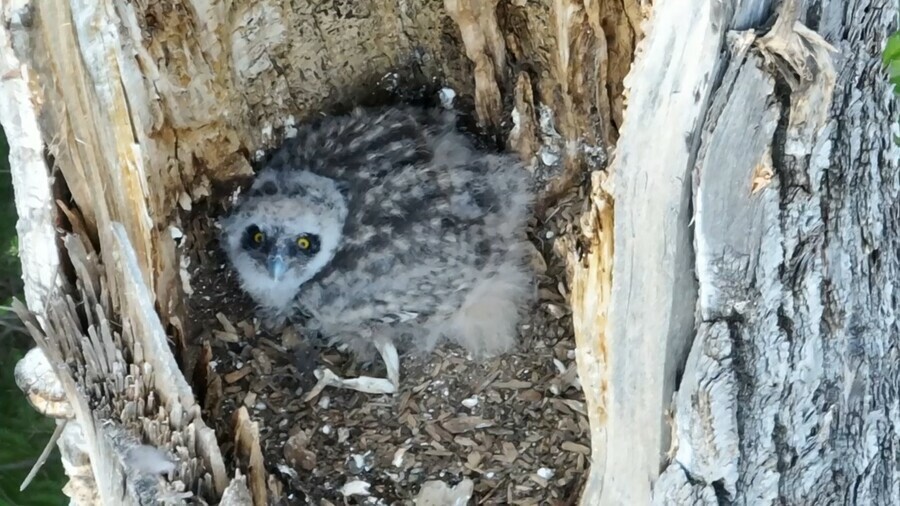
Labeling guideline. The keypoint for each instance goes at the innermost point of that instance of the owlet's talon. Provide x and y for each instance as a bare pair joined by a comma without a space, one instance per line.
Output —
366,384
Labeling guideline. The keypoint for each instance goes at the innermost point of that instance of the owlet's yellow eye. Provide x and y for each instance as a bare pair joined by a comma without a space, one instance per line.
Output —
259,237
303,242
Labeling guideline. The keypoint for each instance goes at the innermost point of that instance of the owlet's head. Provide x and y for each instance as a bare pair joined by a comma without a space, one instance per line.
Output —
286,229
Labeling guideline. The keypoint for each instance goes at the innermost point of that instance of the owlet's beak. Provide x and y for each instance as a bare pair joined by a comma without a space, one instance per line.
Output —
276,266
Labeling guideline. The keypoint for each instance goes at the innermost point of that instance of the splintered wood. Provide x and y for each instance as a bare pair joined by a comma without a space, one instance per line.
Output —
132,439
591,289
731,270
151,111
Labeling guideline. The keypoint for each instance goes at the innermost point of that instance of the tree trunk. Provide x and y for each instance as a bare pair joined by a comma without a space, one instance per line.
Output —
730,276
789,394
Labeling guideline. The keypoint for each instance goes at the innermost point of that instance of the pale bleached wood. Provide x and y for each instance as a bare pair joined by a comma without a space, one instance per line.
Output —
247,449
133,409
38,253
152,346
591,286
653,291
651,314
174,391
237,493
787,390
19,109
787,393
145,105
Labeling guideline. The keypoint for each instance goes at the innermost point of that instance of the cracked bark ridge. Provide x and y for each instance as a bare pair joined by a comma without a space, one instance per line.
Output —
788,392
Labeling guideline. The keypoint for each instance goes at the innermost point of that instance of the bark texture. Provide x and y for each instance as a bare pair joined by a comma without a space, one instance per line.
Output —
732,276
789,393
130,112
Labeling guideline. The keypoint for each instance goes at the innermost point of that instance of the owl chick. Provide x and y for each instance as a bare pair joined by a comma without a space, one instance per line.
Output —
386,227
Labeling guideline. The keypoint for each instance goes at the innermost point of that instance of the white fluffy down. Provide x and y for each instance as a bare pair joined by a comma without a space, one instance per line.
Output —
487,323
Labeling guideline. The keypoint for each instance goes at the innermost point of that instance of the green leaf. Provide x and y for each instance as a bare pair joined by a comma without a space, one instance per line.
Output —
892,50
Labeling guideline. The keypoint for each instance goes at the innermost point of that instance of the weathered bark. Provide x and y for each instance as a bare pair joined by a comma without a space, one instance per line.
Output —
748,216
789,394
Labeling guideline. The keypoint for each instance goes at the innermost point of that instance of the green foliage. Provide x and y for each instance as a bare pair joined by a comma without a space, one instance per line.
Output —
891,60
23,432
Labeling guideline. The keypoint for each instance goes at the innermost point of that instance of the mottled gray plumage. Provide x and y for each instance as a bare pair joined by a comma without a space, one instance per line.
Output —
413,234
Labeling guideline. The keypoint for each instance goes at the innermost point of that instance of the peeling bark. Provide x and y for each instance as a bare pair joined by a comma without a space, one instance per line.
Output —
144,108
730,277
788,393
